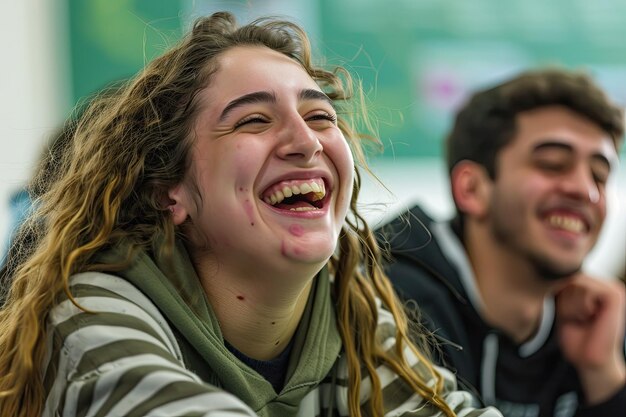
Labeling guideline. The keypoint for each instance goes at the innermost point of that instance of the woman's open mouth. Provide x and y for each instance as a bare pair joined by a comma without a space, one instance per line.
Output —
297,195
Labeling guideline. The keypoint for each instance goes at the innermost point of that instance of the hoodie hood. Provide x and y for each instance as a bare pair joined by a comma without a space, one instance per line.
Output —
435,248
409,238
430,265
181,298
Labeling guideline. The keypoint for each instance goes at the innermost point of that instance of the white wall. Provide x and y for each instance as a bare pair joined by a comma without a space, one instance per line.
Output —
33,80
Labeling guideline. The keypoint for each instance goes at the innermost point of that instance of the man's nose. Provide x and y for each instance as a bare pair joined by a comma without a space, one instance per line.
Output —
581,184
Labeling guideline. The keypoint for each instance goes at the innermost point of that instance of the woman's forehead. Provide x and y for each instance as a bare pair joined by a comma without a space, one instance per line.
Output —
248,70
252,67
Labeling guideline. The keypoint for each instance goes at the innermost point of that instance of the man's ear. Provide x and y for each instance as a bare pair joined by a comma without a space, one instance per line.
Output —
177,203
471,188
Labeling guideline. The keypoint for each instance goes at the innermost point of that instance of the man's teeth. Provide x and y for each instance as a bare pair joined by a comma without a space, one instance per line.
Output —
570,224
317,188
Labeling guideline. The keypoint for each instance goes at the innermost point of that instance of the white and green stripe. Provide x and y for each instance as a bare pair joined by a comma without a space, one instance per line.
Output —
125,361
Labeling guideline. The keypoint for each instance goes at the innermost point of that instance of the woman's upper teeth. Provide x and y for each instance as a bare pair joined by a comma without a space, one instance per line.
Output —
285,190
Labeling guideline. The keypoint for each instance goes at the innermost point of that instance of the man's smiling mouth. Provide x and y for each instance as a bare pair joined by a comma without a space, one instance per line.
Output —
296,195
570,224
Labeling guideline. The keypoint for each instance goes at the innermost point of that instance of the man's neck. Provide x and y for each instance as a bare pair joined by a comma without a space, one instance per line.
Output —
512,292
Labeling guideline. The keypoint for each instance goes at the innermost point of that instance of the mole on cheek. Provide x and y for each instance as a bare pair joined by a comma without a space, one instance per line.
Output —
240,297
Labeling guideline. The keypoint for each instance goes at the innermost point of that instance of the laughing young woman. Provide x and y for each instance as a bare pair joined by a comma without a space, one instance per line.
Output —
199,258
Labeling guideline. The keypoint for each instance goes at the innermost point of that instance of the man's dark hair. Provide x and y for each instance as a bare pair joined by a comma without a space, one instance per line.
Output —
487,122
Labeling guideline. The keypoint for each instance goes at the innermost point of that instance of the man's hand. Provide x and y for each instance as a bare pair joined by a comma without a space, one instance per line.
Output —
591,315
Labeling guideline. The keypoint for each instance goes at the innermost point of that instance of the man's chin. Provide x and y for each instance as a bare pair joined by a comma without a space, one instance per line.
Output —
550,270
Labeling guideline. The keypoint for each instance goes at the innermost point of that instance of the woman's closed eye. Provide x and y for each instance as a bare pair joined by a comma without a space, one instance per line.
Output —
317,118
252,119
322,117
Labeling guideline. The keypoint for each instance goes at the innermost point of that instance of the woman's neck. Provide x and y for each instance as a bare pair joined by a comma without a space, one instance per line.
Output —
258,315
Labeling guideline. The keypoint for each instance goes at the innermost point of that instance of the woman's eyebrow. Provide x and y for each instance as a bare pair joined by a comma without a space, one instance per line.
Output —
270,97
251,98
311,94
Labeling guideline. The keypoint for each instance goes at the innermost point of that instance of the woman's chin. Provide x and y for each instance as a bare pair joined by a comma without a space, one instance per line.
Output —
308,251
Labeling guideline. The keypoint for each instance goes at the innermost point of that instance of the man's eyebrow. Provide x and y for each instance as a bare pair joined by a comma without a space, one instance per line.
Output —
554,144
311,94
251,98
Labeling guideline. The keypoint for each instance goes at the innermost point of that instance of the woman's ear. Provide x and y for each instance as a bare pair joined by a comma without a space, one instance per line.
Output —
471,188
177,200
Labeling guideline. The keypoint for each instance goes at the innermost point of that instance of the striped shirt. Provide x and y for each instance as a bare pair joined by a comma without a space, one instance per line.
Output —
125,358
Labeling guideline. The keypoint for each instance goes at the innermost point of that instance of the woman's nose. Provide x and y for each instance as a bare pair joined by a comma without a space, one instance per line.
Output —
299,141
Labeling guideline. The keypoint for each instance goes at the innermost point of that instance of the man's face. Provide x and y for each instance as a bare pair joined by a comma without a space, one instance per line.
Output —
548,200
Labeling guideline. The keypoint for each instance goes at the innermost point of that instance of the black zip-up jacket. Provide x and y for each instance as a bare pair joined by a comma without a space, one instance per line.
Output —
428,264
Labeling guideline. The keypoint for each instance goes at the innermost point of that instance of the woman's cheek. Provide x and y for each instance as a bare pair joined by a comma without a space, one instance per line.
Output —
346,174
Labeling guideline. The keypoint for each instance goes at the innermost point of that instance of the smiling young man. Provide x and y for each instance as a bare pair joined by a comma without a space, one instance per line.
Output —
501,283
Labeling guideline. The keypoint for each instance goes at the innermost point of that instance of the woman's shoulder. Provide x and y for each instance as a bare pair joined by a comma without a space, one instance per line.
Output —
103,301
99,286
111,352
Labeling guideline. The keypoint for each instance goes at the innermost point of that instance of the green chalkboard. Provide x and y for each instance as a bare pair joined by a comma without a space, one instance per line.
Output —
420,58
111,40
417,59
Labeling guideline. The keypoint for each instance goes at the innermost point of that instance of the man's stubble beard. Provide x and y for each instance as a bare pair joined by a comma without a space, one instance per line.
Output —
506,234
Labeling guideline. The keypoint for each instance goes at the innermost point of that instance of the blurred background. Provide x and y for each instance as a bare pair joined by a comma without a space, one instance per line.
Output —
418,60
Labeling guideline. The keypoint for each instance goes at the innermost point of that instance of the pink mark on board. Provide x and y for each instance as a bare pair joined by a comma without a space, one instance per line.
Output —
296,230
